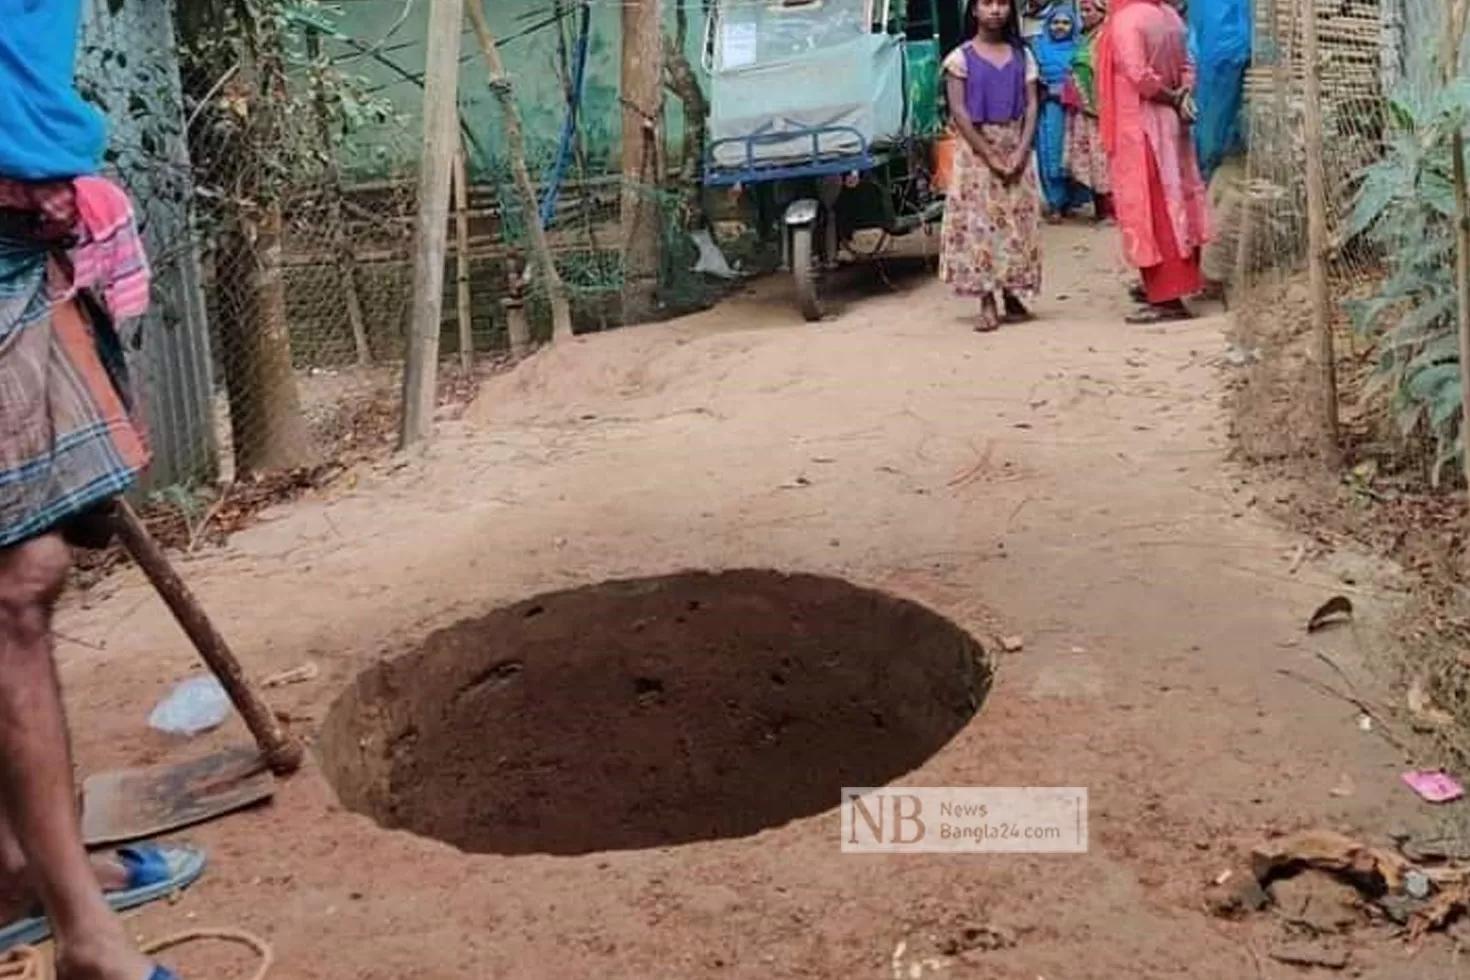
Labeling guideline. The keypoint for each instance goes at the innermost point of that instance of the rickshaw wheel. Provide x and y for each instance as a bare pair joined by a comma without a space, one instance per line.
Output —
804,271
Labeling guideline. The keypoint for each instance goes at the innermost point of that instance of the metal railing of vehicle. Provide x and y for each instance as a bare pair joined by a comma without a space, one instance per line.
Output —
818,164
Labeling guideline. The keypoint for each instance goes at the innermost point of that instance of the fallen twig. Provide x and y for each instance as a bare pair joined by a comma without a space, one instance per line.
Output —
1362,705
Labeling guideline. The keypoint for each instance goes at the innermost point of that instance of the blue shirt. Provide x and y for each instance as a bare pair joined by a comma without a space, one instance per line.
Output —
47,131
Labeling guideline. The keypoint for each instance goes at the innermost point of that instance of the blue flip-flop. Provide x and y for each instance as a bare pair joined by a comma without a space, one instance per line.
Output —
154,871
162,973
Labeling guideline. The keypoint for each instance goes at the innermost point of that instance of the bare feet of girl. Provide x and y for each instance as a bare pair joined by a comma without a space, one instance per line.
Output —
989,319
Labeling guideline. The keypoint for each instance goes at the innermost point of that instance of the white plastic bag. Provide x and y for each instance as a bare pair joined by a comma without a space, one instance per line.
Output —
192,707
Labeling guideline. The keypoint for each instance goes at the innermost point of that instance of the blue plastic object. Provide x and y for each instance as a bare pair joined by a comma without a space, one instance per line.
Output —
569,127
1221,37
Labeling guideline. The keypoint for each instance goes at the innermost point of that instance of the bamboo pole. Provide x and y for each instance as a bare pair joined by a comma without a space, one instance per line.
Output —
1449,55
463,308
1317,237
441,139
515,148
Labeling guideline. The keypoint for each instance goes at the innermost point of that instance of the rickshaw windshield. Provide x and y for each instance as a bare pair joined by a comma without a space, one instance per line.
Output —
758,32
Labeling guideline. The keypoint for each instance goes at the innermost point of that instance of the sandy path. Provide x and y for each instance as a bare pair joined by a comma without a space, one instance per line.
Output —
1062,480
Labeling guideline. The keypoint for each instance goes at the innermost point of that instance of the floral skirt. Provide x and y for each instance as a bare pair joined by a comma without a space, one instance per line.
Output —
1082,153
991,237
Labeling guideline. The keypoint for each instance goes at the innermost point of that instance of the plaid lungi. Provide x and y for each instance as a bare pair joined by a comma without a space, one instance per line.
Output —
67,441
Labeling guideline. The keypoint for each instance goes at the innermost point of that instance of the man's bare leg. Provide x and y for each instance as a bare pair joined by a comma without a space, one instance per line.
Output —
18,893
36,787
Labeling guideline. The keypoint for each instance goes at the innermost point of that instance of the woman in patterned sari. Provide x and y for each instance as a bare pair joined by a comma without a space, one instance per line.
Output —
1083,156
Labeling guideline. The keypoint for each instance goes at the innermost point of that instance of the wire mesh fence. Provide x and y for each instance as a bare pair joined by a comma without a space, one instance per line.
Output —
1376,71
276,177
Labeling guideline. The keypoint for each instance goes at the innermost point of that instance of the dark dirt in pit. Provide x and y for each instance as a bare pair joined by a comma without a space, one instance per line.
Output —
651,712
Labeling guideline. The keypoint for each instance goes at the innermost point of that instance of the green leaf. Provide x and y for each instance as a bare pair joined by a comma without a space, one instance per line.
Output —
1438,191
1451,105
1407,418
1399,117
1424,385
1449,449
1419,324
1445,408
1445,348
1365,312
1376,194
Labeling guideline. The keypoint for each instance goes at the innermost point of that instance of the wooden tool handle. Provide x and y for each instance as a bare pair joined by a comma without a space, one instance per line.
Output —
282,752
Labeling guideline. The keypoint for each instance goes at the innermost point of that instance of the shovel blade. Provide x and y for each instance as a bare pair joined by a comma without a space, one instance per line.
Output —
132,804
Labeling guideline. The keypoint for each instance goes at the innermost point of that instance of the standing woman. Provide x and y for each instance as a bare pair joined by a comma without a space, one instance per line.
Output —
990,242
1145,81
1084,157
1055,48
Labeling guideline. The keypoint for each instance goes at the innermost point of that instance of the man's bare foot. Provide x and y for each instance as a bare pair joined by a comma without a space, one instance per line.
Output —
19,899
105,954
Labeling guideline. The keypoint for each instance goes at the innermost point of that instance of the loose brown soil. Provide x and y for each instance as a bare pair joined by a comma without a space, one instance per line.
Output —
651,713
1065,481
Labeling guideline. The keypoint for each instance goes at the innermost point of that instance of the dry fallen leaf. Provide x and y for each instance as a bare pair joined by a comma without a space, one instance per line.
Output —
1425,712
1449,903
1338,609
1326,850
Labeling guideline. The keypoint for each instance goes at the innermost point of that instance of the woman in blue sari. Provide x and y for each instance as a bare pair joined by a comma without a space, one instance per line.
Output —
1055,47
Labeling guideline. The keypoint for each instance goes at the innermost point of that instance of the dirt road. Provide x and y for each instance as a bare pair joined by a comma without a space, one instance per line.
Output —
1064,480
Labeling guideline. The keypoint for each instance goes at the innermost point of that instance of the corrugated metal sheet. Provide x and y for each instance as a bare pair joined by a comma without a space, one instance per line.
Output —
127,65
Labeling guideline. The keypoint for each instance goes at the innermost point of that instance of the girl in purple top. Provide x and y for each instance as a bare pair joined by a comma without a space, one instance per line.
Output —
990,242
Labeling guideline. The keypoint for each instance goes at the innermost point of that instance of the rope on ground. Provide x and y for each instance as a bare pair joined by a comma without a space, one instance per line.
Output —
29,963
25,963
258,945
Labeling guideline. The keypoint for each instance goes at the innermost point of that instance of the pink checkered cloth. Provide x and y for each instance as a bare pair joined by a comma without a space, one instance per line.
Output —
106,252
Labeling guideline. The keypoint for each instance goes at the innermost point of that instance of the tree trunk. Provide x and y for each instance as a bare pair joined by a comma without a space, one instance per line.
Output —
683,81
515,148
642,97
266,423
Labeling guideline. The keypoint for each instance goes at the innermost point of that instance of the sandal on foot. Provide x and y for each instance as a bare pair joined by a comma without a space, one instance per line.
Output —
1158,314
154,871
987,323
162,973
1015,312
1138,293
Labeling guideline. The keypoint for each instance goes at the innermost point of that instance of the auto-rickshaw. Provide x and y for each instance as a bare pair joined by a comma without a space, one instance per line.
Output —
825,114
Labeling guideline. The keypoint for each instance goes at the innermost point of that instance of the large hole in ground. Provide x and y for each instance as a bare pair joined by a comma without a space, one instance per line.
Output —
651,712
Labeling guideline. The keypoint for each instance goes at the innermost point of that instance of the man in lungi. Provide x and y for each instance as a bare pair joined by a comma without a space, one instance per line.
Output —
71,266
